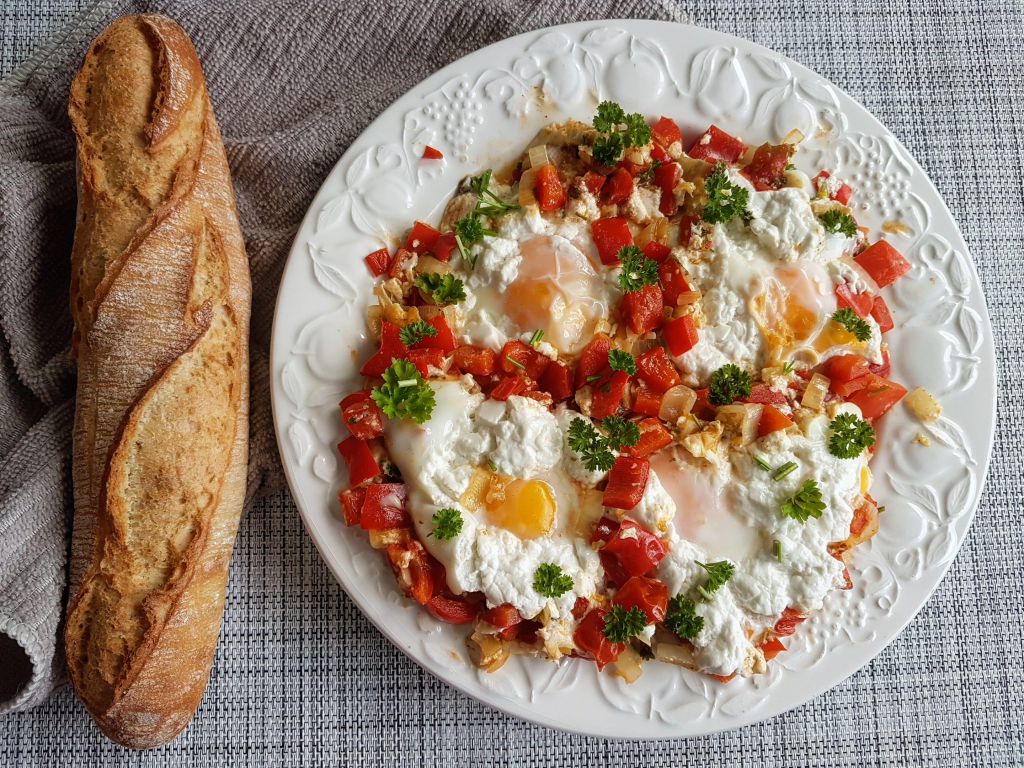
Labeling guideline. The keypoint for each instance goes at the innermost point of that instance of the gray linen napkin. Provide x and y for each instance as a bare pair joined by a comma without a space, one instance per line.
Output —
293,82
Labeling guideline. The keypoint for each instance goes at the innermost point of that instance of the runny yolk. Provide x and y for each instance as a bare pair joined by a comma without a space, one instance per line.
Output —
523,507
782,309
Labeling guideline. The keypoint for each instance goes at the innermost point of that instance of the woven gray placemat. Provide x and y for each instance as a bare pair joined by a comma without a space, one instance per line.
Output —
302,678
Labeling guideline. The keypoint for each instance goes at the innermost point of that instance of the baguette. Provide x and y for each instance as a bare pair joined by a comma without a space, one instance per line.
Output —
160,297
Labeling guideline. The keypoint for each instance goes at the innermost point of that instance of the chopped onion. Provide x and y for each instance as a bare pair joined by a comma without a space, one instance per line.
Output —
686,298
538,156
680,655
488,652
374,319
628,665
817,388
676,403
795,136
526,184
428,264
740,420
380,539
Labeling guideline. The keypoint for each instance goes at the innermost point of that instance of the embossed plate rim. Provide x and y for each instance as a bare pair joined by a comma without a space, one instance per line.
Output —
428,642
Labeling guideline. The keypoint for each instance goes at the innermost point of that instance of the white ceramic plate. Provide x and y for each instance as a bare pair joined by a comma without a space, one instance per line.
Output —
481,111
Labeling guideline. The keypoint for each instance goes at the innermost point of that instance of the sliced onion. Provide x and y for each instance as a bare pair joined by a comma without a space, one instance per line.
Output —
817,388
526,184
677,402
538,156
740,420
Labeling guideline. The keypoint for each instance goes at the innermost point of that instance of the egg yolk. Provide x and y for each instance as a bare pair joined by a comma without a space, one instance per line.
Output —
523,507
555,290
787,310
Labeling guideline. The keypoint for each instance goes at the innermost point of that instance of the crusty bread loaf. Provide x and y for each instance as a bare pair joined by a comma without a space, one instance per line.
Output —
160,296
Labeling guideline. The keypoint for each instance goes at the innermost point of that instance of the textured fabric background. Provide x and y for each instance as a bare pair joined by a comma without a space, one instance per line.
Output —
301,677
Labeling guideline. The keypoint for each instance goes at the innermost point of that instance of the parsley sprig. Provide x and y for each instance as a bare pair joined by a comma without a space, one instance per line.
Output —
621,432
442,289
726,200
728,383
404,394
550,581
592,448
470,229
850,436
447,523
416,332
847,318
619,132
682,618
621,360
637,270
620,624
718,573
834,220
805,503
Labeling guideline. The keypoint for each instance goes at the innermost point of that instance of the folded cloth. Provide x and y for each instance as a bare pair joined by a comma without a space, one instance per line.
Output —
292,85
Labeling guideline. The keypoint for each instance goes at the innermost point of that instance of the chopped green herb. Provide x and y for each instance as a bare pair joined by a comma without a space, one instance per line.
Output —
850,436
637,270
847,318
620,624
881,509
728,383
447,523
836,221
592,378
491,465
805,503
471,229
416,332
777,549
784,471
788,367
682,618
516,363
726,200
619,132
489,204
620,360
718,573
442,289
621,432
536,338
550,581
762,464
587,442
404,394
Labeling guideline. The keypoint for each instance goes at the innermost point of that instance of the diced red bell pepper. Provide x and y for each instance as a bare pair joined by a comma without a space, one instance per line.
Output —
421,238
657,370
772,420
686,228
666,132
845,368
860,303
549,189
453,609
378,261
610,237
399,263
884,263
509,386
767,168
702,407
429,153
541,397
384,507
424,358
444,246
653,437
642,309
502,616
649,595
391,346
444,340
630,550
607,395
680,335
646,401
656,251
604,530
715,144
877,396
478,361
771,647
883,368
633,169
362,416
841,195
519,357
880,311
666,176
788,622
579,608
421,568
627,481
659,154
352,504
556,381
673,281
590,639
362,467
593,360
762,393
593,182
617,187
